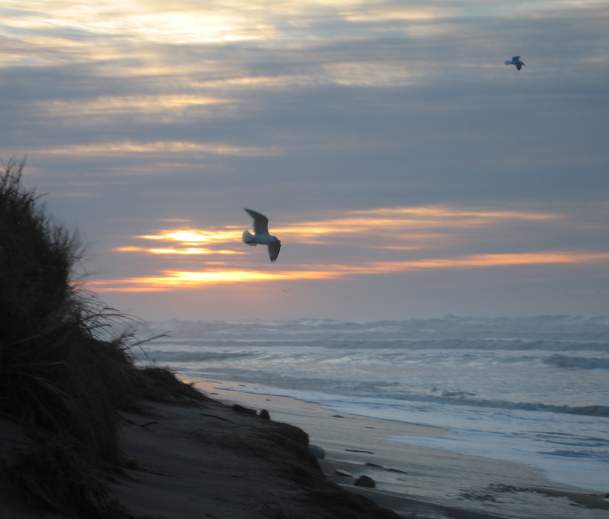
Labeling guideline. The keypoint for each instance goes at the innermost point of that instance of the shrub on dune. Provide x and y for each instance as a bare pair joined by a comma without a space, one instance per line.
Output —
49,373
58,378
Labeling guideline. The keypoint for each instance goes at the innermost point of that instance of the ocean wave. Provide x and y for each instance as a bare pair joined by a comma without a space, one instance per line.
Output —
546,328
447,393
565,361
390,394
460,398
588,410
573,440
189,356
389,343
581,454
465,398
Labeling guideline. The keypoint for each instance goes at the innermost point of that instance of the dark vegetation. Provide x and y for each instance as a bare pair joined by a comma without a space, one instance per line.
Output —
61,378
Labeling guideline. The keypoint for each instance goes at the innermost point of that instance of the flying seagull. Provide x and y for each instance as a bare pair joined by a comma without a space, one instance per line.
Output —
516,61
261,234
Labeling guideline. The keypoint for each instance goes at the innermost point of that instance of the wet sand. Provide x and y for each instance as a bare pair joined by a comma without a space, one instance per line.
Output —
430,482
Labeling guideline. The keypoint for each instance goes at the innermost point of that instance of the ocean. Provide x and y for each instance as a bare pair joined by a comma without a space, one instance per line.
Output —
533,390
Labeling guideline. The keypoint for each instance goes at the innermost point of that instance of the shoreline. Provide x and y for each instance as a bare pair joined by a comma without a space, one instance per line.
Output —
426,480
219,457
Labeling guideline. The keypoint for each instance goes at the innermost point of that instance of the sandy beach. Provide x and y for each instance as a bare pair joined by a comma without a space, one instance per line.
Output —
429,482
220,459
217,461
205,459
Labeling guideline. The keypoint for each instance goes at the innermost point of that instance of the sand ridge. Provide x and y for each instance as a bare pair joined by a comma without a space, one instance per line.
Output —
210,460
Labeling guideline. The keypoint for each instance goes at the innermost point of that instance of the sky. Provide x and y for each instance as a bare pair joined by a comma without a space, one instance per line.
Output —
407,170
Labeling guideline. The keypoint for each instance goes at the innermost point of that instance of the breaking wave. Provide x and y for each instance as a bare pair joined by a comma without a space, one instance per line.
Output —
511,388
188,356
588,410
565,361
603,456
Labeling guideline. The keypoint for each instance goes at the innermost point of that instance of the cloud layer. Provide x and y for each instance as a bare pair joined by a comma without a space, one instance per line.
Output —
382,137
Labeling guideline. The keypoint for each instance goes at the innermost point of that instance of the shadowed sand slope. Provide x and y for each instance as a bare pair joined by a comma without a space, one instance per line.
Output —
213,461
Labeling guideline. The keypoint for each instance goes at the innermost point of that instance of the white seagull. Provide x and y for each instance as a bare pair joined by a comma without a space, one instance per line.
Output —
261,234
516,61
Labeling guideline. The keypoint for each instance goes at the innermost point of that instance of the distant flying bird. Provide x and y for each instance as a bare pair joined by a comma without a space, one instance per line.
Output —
261,234
516,61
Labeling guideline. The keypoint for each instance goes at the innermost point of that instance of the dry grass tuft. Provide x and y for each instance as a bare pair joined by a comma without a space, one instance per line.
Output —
58,379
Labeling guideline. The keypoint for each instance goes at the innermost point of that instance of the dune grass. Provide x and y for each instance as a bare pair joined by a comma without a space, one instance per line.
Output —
62,383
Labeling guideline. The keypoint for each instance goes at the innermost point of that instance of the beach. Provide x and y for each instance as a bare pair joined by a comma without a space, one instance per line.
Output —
219,458
530,391
429,482
221,461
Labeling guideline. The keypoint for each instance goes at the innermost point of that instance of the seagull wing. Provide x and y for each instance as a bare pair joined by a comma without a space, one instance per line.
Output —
274,249
261,222
515,58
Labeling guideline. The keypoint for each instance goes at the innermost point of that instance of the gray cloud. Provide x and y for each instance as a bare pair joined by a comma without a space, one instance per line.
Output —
362,109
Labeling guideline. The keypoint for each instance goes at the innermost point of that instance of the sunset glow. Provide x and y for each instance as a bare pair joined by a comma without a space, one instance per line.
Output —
159,147
186,251
391,240
174,280
108,106
193,236
420,227
397,157
418,219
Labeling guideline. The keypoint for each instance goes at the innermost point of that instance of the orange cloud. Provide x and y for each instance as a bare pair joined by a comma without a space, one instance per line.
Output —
176,280
172,280
479,261
381,228
396,13
141,104
186,251
194,235
416,219
101,149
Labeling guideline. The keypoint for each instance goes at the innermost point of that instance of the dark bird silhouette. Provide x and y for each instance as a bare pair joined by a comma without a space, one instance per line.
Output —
516,61
261,234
